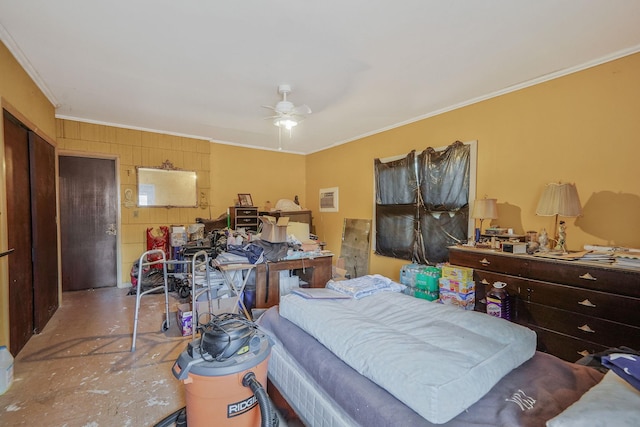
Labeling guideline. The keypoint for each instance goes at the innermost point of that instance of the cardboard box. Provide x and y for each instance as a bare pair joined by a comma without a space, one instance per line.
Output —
195,232
185,319
274,230
300,231
466,301
178,239
463,274
178,236
185,313
460,286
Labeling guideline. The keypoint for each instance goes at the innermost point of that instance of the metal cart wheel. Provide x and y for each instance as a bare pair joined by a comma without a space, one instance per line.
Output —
184,291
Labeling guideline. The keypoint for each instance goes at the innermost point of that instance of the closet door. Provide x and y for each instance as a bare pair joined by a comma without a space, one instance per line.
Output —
44,230
31,231
16,151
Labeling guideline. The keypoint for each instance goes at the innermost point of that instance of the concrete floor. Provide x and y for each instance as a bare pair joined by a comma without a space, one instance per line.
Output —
80,372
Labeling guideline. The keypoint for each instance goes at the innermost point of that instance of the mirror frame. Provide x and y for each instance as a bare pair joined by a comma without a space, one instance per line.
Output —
170,187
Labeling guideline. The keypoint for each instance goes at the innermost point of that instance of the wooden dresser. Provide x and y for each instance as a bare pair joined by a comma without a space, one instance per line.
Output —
575,307
244,217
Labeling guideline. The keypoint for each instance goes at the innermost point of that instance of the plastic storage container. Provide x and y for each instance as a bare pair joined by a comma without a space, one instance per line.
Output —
6,369
408,274
498,302
427,283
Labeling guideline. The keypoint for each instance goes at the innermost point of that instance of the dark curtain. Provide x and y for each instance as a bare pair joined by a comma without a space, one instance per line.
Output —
422,208
396,207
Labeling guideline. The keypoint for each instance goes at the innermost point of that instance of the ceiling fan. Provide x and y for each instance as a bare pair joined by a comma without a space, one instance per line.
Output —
287,115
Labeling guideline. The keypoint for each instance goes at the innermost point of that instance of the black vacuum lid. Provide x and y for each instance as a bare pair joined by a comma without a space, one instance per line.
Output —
226,335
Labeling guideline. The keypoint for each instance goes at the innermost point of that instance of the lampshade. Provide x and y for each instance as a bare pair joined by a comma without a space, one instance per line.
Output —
559,199
485,209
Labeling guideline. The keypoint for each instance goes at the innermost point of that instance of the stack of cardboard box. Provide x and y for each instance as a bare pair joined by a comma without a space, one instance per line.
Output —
457,286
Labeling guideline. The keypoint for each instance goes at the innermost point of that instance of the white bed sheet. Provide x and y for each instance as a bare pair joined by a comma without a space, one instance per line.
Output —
436,359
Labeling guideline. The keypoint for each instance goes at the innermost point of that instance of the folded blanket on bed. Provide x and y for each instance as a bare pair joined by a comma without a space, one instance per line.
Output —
364,286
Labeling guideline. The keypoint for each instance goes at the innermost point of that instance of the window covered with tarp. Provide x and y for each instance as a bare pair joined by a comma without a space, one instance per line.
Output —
422,203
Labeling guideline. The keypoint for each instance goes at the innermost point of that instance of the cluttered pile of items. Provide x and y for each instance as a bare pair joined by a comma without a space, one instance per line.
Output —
276,239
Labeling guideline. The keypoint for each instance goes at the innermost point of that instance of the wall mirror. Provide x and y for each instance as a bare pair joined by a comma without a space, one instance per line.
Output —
166,186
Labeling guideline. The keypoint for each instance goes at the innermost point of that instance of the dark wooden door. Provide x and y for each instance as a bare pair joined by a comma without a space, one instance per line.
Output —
44,230
21,309
88,218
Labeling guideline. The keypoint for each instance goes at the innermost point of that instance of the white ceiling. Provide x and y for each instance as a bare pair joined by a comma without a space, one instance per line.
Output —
204,68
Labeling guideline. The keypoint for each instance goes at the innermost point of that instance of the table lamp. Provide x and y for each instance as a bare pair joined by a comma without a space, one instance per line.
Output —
560,200
484,209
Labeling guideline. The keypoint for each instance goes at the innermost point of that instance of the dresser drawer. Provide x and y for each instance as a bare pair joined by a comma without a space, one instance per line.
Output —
584,301
243,222
603,305
624,282
593,329
488,260
565,347
247,212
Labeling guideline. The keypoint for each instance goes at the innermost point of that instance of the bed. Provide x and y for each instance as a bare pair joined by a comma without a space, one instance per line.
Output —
329,370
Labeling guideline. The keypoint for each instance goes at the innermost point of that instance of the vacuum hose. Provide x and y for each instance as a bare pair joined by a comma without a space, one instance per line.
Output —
177,419
267,414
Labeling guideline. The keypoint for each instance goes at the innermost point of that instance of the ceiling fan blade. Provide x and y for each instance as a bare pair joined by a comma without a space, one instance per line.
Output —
301,109
271,107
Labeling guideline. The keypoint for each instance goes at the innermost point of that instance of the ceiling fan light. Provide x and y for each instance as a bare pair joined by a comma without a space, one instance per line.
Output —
285,122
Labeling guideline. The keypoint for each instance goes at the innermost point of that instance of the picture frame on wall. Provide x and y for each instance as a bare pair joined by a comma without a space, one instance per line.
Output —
329,199
245,199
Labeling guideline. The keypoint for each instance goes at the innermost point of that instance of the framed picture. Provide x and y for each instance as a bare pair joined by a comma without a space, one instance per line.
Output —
329,199
245,200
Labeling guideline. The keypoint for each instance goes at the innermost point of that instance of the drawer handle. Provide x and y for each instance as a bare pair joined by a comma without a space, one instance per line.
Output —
586,328
587,276
484,261
485,282
587,303
584,353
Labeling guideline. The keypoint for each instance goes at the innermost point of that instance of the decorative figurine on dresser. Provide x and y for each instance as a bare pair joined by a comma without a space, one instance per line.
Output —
543,240
562,237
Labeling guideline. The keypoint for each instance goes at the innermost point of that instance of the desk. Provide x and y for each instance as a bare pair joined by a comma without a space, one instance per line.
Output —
315,271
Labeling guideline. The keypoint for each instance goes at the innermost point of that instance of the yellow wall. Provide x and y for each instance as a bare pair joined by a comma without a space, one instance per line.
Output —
266,175
223,171
582,128
20,96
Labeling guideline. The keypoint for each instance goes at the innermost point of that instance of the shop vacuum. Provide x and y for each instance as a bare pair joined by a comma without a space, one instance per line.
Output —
223,372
